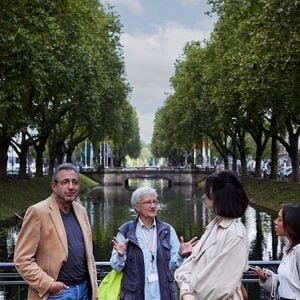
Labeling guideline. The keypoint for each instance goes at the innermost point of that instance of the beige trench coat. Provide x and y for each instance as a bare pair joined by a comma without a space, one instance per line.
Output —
215,268
42,247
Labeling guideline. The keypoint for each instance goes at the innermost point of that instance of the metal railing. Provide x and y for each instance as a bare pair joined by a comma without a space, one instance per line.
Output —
13,287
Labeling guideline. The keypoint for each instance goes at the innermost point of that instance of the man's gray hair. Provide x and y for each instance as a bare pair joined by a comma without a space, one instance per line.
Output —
64,166
141,192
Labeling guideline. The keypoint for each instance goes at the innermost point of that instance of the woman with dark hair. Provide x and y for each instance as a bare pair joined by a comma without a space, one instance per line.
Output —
214,269
286,284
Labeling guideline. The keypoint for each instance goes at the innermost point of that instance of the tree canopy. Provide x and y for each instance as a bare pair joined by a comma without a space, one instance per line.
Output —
61,75
243,81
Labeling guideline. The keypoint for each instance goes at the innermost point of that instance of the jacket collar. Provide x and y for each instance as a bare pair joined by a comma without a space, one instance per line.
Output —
142,223
209,238
57,221
225,222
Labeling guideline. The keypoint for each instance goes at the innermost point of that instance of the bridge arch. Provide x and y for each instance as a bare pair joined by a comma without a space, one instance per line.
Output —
176,176
156,176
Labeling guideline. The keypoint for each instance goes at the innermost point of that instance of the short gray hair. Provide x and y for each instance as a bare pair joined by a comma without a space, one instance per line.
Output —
64,166
141,192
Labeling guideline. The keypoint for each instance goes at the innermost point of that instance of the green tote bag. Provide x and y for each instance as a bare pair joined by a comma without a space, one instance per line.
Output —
110,286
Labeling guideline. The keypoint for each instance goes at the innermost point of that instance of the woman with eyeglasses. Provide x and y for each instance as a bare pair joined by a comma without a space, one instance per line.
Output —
286,284
214,270
147,251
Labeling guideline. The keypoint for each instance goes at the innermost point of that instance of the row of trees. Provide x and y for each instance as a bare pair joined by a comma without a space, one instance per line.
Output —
244,81
62,80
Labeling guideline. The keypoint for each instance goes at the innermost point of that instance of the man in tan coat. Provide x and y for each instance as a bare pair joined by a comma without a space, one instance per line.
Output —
54,251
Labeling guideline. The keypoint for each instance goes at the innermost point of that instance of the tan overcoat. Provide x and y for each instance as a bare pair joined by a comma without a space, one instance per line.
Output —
215,268
42,247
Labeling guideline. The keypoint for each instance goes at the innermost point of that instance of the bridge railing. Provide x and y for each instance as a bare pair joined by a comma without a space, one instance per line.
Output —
12,285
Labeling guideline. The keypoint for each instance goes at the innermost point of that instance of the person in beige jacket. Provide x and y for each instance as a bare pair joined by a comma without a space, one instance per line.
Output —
214,269
54,251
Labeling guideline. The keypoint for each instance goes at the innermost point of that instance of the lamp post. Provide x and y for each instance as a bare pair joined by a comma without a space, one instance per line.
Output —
195,155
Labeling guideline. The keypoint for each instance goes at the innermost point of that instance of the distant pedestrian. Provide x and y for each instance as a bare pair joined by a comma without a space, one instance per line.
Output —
54,251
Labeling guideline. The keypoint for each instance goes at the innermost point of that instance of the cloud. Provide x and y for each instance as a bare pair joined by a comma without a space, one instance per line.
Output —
146,126
190,3
133,5
149,60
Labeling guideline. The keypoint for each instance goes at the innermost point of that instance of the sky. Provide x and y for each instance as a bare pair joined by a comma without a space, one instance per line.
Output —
154,34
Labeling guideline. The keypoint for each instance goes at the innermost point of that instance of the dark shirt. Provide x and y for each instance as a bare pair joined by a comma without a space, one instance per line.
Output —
75,269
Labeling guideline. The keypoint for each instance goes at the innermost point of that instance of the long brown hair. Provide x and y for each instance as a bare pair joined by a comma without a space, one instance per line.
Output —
291,223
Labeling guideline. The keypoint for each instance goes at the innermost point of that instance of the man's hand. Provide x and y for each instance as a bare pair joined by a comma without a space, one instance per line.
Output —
185,248
119,247
56,287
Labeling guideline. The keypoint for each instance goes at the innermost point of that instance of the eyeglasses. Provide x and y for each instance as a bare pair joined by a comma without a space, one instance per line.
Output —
66,182
149,203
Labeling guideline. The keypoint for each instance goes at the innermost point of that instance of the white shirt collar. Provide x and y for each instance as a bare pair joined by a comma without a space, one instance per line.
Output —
142,224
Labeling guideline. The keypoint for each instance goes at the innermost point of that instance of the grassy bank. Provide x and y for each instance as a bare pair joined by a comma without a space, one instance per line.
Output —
16,195
271,193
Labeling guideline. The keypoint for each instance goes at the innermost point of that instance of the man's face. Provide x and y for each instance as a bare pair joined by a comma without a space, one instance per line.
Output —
66,187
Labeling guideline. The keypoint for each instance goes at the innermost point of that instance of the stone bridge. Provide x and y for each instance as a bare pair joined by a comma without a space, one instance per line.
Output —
176,176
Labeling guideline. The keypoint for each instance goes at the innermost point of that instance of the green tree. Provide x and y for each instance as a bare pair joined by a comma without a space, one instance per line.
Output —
126,139
61,63
267,65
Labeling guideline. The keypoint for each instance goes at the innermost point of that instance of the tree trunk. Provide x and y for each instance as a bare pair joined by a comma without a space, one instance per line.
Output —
258,157
243,163
226,162
60,152
23,161
4,144
241,144
24,146
234,157
39,150
274,159
51,165
22,150
294,155
261,139
69,154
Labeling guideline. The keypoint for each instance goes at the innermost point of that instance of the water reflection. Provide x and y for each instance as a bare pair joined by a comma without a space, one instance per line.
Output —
8,237
181,206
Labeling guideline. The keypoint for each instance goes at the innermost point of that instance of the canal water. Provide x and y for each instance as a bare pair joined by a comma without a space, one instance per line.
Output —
181,206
